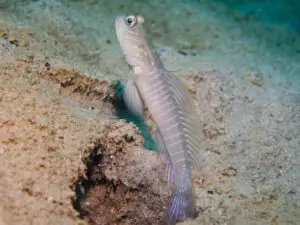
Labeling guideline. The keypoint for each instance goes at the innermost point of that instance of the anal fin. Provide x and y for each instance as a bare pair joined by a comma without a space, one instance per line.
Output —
164,155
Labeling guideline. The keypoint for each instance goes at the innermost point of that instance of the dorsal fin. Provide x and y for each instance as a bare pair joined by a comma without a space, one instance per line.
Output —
190,120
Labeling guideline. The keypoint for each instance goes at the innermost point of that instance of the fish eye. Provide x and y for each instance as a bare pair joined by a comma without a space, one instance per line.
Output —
131,20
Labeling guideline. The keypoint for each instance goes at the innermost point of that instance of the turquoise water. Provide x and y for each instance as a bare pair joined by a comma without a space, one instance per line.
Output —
81,33
123,113
267,11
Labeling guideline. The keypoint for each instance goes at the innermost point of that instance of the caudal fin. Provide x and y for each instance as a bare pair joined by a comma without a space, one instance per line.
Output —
182,206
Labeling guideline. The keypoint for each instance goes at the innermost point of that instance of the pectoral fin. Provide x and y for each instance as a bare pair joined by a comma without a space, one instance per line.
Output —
133,99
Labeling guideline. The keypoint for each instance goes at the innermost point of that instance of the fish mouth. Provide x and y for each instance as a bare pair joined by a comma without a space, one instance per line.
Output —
130,39
120,20
119,24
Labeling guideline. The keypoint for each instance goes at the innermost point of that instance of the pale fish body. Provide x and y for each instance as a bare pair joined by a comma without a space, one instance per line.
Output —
169,103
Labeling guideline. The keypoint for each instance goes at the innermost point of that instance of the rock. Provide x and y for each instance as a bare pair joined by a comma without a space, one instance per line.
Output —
7,52
255,78
130,185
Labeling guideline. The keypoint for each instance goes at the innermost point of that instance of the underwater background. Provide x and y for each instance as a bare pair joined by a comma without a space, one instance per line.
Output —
240,60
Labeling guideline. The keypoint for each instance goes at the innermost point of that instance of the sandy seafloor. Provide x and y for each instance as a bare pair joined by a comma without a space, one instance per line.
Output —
244,74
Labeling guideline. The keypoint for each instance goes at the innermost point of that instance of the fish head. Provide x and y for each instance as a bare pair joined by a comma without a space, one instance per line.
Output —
137,49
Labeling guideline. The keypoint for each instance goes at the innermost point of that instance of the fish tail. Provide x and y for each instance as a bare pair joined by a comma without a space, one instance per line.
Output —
182,206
